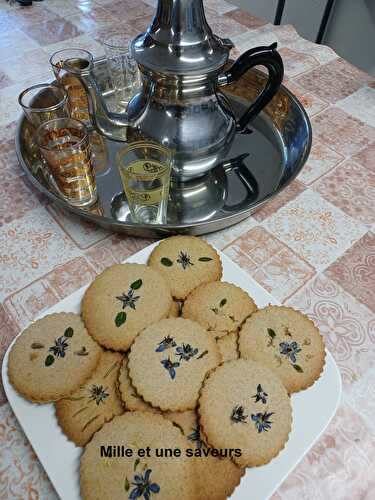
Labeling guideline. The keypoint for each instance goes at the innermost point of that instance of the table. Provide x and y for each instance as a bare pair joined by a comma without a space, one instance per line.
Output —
313,247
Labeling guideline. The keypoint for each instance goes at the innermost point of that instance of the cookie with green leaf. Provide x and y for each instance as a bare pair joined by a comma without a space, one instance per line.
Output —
52,358
219,307
116,475
168,362
286,341
123,300
96,402
186,262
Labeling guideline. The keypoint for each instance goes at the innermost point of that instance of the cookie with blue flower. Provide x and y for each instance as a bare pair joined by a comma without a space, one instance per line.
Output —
286,341
186,262
123,300
220,307
52,358
136,477
168,362
244,405
215,478
96,402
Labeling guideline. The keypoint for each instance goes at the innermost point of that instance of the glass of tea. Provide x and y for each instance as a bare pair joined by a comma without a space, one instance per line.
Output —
44,102
63,62
145,170
64,145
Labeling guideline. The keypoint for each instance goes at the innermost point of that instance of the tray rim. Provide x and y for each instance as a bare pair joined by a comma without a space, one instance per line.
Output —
159,229
239,272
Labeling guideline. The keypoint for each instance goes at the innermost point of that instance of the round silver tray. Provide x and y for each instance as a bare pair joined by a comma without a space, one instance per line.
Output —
260,164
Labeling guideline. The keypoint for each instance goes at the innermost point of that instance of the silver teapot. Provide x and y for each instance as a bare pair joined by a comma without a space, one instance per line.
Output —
180,104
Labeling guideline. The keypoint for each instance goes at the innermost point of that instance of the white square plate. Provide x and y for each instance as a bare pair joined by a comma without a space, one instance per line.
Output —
312,411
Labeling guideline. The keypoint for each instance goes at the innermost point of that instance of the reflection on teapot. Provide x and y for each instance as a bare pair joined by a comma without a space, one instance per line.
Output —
181,105
200,199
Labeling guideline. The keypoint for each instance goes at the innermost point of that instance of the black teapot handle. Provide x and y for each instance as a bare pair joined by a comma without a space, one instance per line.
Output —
258,56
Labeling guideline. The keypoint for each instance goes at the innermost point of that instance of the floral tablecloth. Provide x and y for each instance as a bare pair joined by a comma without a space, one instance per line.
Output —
313,247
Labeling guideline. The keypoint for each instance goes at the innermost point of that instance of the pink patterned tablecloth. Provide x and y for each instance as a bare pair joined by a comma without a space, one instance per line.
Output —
313,247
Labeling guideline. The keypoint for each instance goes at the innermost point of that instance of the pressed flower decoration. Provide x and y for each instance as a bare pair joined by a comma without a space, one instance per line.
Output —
129,300
166,343
58,350
183,259
287,349
141,486
98,394
170,366
195,437
260,395
262,421
186,352
238,415
290,350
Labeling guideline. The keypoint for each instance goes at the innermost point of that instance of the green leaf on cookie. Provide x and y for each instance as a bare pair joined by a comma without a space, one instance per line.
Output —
204,259
137,284
120,318
69,332
166,262
271,333
298,368
49,360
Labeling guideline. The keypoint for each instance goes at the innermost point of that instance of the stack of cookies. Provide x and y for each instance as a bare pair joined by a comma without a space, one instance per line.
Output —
165,356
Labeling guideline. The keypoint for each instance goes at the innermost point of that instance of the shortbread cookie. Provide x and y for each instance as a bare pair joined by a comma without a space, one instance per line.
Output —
219,307
92,405
52,358
215,478
228,346
122,301
186,262
137,477
287,342
168,362
128,394
175,310
244,405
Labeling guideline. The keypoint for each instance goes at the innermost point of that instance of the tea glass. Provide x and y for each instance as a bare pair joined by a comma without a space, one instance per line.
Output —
74,58
145,170
64,144
44,102
123,70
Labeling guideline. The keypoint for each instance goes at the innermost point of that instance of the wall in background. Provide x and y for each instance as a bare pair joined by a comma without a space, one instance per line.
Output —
351,31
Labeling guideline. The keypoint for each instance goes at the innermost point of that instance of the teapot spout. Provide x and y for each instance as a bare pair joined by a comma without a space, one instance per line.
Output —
112,125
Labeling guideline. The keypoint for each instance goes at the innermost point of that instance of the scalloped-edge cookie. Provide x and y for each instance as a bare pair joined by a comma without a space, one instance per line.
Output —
168,362
244,405
96,402
52,357
286,341
186,262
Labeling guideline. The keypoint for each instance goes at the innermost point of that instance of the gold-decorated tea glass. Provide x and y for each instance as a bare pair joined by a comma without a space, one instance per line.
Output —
44,102
145,170
61,61
64,144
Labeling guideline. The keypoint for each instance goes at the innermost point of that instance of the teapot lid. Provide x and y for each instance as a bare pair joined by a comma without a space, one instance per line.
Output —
179,41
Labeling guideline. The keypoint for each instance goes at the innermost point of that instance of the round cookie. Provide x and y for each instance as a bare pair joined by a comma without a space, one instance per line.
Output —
105,478
168,362
228,346
93,404
122,301
287,342
186,262
244,405
215,478
129,396
219,307
46,352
